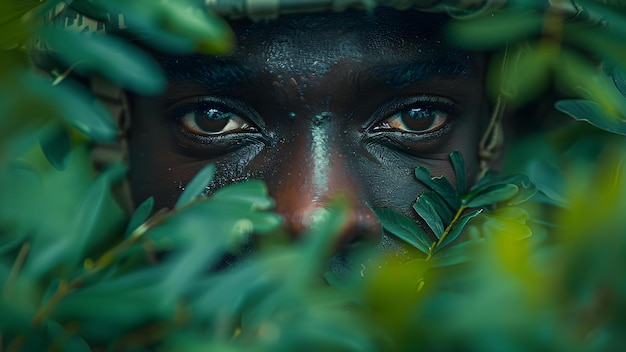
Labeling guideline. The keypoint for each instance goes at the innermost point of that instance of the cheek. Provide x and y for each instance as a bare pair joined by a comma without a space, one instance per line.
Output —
156,171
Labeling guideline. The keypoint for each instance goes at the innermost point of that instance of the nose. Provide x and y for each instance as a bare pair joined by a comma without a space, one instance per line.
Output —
316,173
301,210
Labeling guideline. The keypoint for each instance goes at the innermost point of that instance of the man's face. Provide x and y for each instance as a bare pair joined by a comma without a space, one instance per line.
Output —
342,105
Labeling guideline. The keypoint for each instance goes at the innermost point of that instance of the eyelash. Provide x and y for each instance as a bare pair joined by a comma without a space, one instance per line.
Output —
197,144
386,124
444,110
186,114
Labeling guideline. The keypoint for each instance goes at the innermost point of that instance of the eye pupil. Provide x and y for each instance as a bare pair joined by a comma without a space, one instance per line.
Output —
418,119
212,120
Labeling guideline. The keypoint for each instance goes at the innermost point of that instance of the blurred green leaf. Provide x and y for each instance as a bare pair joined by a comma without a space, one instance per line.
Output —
15,29
493,195
120,62
457,254
91,9
576,72
507,221
11,62
12,9
512,25
178,26
589,111
602,42
196,186
548,180
525,74
140,215
253,192
55,144
70,248
404,228
13,34
211,33
37,98
60,337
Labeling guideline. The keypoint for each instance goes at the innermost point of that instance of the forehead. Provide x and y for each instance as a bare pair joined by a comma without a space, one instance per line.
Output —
315,41
395,46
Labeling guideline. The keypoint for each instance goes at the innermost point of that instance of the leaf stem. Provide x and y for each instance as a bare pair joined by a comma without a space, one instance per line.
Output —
16,344
431,250
447,230
102,262
58,295
17,266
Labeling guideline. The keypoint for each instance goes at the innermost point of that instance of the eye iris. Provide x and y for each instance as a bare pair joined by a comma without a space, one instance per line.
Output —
212,120
419,119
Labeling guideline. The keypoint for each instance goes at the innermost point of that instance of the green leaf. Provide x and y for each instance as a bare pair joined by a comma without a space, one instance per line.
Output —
175,26
493,195
404,228
457,228
13,9
440,185
591,112
548,180
252,192
69,248
619,78
524,194
79,111
120,62
71,342
38,99
90,9
15,28
197,186
426,210
211,33
607,44
55,144
525,75
512,25
140,215
576,71
458,165
440,206
457,254
507,221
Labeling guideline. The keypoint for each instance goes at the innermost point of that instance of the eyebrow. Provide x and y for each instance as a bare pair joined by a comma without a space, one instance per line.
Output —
402,75
214,73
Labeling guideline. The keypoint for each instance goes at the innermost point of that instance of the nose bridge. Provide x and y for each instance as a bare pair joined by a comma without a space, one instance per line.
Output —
318,173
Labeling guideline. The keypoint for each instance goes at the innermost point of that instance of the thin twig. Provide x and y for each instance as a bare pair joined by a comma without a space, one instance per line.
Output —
58,295
17,266
449,228
431,250
16,344
61,77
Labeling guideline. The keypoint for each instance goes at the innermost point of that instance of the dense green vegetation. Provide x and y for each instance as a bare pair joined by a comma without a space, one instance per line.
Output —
526,261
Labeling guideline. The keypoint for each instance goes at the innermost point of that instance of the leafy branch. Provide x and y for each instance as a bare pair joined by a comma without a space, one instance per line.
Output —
581,51
447,209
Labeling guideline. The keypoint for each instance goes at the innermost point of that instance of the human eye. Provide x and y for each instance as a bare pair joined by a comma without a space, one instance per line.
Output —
210,118
212,126
422,115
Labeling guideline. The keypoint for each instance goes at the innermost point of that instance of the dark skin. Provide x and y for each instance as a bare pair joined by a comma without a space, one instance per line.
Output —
319,107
